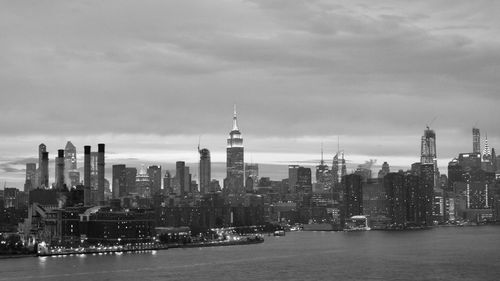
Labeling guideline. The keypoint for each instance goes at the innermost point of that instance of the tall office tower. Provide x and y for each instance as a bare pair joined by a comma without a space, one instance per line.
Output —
428,147
343,171
235,162
44,170
304,180
30,183
131,178
180,178
395,197
205,173
427,180
428,152
293,175
353,195
476,140
251,172
100,173
154,173
86,166
60,169
384,170
119,181
71,173
167,183
142,183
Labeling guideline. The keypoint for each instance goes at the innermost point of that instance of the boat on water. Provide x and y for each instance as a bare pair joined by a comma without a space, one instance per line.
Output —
357,223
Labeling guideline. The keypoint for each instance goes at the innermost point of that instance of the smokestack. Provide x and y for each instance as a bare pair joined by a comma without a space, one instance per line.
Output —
86,166
44,170
100,173
60,169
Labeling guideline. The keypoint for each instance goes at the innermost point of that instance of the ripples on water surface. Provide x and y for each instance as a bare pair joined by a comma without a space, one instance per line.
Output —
448,253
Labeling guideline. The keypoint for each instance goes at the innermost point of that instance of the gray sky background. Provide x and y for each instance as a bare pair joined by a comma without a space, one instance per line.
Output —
148,77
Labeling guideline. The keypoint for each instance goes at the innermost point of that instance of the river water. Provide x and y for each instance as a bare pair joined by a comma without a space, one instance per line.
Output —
445,253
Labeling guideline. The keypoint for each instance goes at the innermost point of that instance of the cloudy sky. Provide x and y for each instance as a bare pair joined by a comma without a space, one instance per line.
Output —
149,77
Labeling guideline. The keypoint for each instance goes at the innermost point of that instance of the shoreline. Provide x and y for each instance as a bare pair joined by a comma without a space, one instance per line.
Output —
93,251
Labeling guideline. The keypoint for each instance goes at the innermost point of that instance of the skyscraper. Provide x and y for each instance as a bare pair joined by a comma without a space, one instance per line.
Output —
142,183
396,197
167,183
30,177
428,147
100,173
180,180
353,195
60,169
119,181
86,166
251,176
41,149
205,171
43,166
235,162
131,179
293,175
426,196
154,173
71,174
428,154
323,174
476,140
384,170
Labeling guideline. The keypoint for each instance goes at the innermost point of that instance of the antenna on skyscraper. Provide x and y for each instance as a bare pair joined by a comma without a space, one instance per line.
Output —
322,162
199,141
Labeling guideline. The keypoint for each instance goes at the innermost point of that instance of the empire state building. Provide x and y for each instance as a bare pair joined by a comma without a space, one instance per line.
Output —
235,163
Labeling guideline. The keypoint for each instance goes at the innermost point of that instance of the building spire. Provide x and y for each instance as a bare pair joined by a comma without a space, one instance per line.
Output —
486,151
322,162
235,120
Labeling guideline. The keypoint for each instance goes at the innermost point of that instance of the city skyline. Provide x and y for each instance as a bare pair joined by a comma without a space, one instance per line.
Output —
276,170
301,73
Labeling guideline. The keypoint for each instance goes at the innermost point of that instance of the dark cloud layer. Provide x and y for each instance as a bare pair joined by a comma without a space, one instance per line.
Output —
301,72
